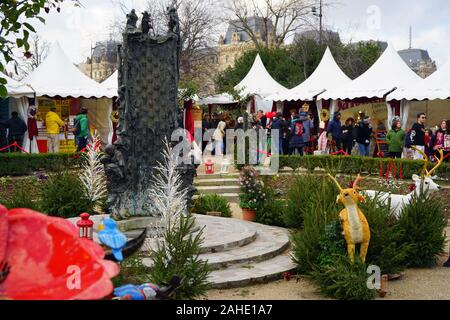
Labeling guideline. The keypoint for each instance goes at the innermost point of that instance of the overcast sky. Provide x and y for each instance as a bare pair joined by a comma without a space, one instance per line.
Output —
355,20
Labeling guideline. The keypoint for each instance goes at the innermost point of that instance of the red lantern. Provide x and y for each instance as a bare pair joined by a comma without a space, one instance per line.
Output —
209,165
85,226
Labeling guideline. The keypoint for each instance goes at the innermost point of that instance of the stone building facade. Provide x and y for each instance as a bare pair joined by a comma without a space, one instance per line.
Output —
104,61
419,61
236,41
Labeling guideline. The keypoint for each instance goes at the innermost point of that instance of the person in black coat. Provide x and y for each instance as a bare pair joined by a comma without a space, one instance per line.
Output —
296,142
363,135
278,124
3,137
348,135
16,130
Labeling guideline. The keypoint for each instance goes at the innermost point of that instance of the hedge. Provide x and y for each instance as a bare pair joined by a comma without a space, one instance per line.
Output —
17,164
355,165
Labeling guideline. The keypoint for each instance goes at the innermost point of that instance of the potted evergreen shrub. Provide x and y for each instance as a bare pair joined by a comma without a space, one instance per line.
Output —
252,194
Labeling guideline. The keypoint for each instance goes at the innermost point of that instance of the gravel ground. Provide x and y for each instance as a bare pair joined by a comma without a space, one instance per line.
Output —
417,284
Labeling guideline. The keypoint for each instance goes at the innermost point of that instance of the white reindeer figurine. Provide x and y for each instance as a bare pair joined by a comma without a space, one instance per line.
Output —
424,183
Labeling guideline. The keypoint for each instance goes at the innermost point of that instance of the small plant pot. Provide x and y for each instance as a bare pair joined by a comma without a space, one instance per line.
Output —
248,214
214,213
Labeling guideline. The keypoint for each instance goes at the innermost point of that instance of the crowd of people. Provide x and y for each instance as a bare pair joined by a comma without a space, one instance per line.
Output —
298,134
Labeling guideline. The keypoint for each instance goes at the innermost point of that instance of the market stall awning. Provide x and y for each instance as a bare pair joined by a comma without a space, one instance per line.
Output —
17,89
435,87
326,76
58,76
223,98
259,82
389,72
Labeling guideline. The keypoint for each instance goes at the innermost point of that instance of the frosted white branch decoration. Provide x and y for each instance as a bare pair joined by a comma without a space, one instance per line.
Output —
93,175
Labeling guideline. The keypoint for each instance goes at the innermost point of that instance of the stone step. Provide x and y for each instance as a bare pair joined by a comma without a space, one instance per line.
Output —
231,197
217,176
219,234
218,189
252,273
216,182
270,242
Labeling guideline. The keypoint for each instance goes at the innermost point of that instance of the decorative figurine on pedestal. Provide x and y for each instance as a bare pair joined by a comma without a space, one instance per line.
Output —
354,223
148,111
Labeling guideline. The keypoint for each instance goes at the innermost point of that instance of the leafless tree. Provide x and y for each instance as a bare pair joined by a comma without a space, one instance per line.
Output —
279,18
198,28
38,52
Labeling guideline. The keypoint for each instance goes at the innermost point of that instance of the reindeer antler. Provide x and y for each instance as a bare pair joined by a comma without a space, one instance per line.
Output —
425,158
335,181
355,183
441,160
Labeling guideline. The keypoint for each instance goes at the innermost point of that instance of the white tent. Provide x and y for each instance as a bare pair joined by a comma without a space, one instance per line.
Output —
327,75
111,83
389,72
436,86
223,98
259,82
431,95
17,89
58,76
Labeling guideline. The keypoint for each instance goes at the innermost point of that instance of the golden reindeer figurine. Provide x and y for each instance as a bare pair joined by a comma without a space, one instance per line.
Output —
354,224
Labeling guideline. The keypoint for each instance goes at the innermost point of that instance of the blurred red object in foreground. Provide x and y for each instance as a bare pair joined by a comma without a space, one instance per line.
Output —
48,260
287,276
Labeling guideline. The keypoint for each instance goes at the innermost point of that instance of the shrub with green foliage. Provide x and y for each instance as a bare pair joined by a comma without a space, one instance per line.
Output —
63,196
306,195
344,280
178,255
132,271
318,210
386,249
212,202
422,224
271,210
21,199
17,164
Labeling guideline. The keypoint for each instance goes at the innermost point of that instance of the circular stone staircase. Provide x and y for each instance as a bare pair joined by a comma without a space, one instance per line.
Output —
238,252
242,253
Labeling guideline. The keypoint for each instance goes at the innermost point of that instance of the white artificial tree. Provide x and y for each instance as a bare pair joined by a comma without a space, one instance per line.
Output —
93,175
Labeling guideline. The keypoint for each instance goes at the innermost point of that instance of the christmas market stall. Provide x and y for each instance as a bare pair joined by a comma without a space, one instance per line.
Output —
59,84
367,93
431,95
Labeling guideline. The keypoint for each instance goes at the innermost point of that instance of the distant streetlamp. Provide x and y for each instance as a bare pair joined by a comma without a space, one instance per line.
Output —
320,15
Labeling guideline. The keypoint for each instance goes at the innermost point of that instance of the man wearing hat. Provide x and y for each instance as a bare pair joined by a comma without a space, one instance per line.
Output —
335,131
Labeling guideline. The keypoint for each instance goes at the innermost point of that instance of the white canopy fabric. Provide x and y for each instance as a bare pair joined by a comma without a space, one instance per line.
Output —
223,98
17,89
436,86
112,83
327,75
58,76
386,74
259,82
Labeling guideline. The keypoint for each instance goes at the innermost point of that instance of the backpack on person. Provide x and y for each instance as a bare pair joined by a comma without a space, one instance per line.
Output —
76,130
298,129
408,139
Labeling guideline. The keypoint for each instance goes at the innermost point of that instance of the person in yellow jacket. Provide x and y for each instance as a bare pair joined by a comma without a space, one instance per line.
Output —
53,123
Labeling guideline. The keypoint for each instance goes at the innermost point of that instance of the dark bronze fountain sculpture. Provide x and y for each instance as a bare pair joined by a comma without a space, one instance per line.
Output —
148,113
